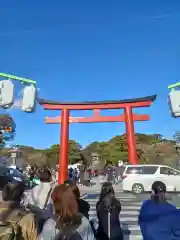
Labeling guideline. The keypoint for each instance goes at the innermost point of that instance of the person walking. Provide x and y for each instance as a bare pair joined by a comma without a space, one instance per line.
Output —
81,175
87,178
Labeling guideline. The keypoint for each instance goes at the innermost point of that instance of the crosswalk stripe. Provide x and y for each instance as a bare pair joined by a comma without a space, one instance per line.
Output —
122,199
123,212
133,227
131,237
123,208
121,196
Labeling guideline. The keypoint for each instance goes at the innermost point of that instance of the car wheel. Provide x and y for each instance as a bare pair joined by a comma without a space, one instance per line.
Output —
137,188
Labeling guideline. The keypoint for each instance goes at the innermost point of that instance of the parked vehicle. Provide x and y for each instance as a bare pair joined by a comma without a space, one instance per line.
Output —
8,174
139,178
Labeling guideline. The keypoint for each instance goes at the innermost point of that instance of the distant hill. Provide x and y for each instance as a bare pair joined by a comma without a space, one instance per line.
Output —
150,148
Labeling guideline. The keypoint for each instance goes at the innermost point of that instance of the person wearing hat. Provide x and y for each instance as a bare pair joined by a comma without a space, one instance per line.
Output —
159,219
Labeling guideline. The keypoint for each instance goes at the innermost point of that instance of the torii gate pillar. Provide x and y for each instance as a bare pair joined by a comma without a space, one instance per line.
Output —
63,158
131,140
128,117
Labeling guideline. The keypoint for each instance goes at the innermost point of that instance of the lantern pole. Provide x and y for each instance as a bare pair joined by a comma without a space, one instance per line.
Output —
173,86
23,80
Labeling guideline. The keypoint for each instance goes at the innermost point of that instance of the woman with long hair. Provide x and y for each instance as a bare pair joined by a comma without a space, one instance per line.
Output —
108,209
159,219
66,219
83,206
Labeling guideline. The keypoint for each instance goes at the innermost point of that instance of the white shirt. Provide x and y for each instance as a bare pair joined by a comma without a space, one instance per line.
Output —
37,195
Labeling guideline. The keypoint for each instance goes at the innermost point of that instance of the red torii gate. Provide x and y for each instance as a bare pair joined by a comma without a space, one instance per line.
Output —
128,117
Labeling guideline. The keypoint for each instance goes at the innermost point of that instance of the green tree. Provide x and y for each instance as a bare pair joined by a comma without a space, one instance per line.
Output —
118,149
93,148
74,152
114,150
7,129
150,148
53,153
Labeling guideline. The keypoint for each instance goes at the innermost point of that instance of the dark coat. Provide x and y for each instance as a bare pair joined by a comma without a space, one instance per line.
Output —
83,207
115,226
159,221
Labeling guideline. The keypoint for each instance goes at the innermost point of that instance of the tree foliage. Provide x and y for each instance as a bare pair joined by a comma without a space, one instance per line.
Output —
52,154
150,149
7,129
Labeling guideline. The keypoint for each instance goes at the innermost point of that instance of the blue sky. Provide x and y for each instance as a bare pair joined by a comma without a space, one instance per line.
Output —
91,50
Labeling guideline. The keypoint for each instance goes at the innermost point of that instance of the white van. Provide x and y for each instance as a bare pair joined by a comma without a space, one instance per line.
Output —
139,178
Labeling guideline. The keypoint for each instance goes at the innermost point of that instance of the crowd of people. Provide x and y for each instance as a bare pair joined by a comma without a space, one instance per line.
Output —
56,212
82,176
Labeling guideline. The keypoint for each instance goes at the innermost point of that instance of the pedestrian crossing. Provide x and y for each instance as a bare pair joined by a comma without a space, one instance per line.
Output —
130,207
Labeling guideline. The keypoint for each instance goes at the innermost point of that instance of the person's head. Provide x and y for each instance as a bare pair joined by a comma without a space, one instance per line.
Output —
107,199
34,166
106,189
74,188
45,175
65,205
13,192
158,194
76,191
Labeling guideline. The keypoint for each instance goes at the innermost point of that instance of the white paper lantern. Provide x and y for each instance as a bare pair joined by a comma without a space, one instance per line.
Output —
174,103
28,102
6,93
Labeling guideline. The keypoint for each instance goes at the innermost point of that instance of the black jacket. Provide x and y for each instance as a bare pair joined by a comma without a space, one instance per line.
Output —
115,226
83,207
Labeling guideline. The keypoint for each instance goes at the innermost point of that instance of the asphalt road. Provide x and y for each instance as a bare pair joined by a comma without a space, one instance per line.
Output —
131,205
174,198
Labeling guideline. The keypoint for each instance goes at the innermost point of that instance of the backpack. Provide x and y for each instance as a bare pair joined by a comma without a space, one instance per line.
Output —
10,230
68,234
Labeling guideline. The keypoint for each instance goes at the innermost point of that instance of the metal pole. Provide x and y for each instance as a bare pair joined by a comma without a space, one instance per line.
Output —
24,80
